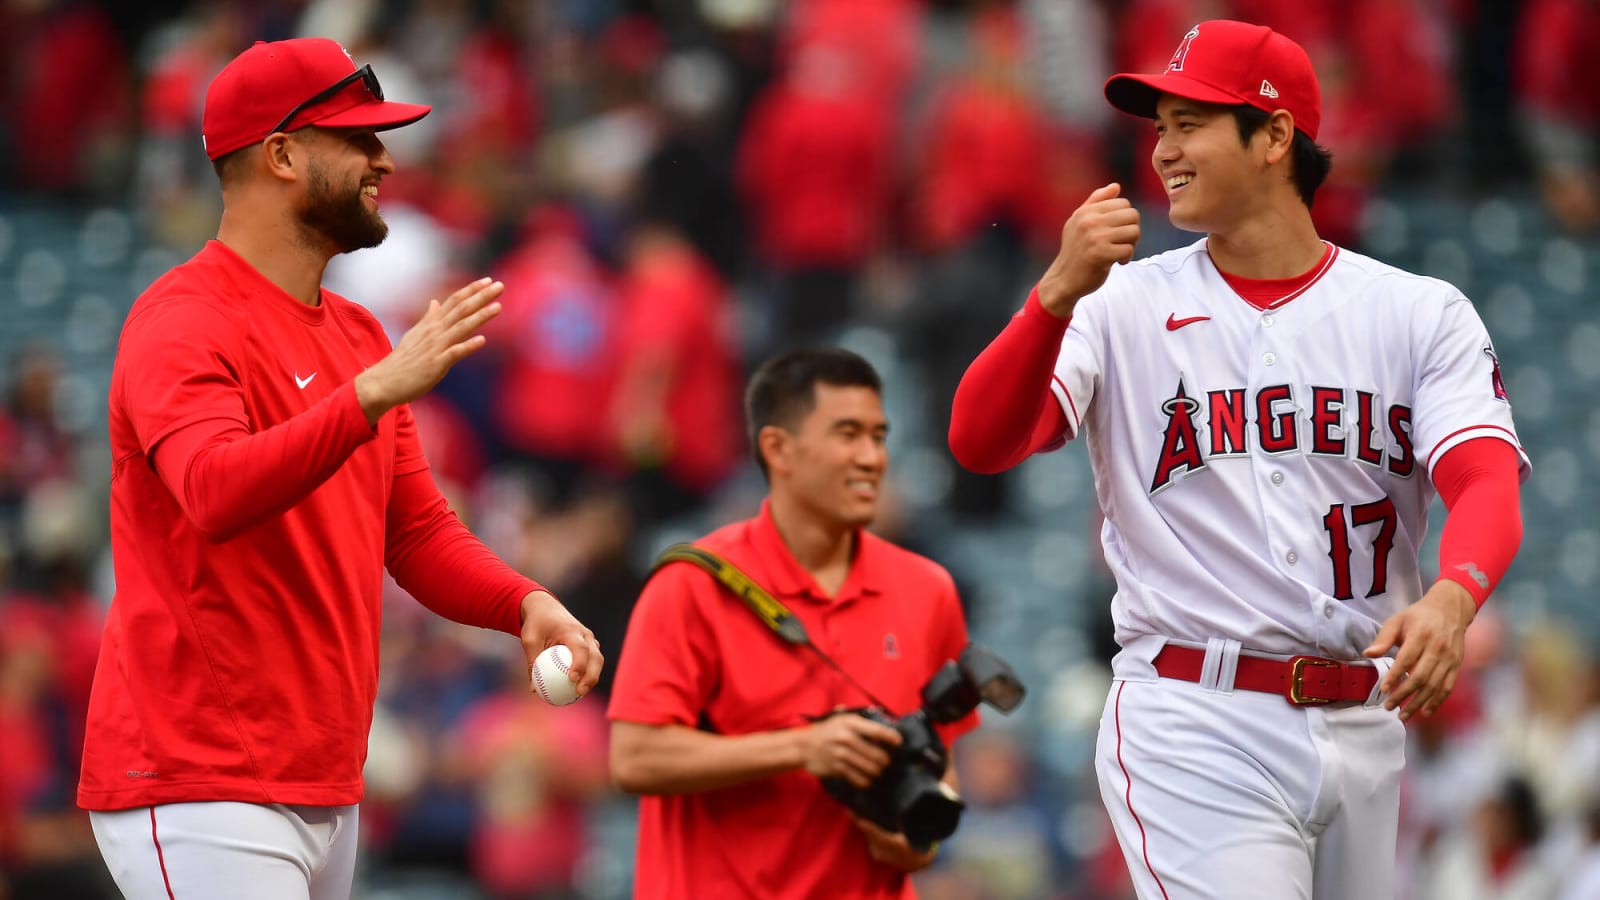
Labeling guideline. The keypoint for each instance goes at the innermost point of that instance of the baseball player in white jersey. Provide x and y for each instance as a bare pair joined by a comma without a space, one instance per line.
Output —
1268,417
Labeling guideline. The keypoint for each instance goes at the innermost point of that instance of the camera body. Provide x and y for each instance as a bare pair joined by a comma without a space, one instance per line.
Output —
909,795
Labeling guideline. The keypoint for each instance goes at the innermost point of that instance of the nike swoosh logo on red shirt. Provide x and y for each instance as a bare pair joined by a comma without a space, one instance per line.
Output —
1174,323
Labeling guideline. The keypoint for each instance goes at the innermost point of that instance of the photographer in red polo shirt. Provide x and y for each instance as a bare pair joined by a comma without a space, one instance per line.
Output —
712,715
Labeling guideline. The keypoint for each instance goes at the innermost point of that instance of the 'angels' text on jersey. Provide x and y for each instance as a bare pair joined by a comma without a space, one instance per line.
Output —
1339,422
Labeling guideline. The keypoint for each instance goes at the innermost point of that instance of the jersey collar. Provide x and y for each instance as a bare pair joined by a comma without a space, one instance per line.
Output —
790,579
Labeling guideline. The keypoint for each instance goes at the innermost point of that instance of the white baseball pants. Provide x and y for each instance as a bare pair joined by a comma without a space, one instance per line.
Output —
1242,796
246,851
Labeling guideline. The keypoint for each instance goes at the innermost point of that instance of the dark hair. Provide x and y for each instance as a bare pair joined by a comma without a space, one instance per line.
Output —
1311,162
1520,804
228,165
783,390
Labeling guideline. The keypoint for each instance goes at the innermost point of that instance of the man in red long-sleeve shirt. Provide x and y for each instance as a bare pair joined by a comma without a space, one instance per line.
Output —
265,470
1268,417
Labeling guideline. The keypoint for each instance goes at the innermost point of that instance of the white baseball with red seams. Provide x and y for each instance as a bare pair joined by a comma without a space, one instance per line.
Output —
550,678
1268,469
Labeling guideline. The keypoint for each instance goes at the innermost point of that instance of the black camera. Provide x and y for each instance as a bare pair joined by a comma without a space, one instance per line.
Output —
908,795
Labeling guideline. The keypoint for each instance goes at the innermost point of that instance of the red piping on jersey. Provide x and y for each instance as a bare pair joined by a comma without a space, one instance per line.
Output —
1428,462
1077,420
1144,843
160,858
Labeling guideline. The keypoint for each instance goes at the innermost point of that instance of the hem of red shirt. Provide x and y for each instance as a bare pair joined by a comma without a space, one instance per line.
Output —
232,790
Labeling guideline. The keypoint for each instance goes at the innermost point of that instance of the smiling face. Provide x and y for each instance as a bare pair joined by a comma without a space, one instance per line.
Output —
341,197
1213,180
832,463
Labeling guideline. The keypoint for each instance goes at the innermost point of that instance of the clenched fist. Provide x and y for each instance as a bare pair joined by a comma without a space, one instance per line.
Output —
1102,231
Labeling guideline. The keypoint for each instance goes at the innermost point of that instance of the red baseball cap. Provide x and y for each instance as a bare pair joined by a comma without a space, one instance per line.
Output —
1228,62
285,85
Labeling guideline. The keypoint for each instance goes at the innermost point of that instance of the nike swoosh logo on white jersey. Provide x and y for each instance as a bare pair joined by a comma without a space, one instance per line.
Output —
1174,323
302,382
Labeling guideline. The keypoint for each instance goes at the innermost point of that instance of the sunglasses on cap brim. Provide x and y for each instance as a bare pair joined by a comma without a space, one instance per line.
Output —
363,74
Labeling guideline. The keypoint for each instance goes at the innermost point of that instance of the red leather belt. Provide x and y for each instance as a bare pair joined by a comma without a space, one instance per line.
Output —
1303,680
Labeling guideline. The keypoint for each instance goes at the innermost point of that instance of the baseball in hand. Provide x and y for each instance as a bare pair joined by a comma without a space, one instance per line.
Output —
550,679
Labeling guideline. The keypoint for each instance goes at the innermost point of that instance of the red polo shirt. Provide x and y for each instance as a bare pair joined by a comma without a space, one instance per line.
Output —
695,654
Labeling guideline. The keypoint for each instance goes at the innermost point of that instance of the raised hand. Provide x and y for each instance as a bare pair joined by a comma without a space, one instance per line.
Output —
1101,232
445,335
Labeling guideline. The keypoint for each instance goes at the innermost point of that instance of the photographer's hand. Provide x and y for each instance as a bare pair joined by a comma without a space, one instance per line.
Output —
892,848
847,746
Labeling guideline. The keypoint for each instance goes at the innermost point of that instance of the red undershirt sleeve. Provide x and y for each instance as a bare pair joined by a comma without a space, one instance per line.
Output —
1004,410
227,478
433,556
1478,482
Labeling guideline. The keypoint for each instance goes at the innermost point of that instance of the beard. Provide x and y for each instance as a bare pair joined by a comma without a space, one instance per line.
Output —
340,216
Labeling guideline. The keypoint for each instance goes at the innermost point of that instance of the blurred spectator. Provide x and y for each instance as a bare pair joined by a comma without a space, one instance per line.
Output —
68,112
535,769
555,348
687,179
814,171
174,182
674,414
1069,50
1559,113
1550,731
49,639
1494,856
882,37
1452,765
995,182
34,446
989,156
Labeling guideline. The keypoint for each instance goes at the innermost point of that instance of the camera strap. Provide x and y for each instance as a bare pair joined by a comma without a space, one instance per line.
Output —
766,607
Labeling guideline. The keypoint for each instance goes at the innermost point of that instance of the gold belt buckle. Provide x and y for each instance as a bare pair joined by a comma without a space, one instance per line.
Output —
1297,672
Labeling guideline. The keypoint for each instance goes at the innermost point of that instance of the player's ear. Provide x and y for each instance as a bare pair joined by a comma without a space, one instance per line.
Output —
280,156
773,444
1279,130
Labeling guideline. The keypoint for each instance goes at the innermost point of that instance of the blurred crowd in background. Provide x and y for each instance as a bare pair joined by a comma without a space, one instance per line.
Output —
672,190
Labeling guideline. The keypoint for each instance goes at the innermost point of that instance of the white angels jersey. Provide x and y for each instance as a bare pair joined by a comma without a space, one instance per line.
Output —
1265,474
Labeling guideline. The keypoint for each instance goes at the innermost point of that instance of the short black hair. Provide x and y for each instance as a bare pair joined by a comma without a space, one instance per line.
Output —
783,391
1311,161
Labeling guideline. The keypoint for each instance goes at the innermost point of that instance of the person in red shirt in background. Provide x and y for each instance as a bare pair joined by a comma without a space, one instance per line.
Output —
538,773
714,720
1559,109
555,361
265,471
814,171
674,412
994,178
67,110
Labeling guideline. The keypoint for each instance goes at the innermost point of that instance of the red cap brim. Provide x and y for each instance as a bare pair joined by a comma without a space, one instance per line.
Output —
1137,94
379,116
